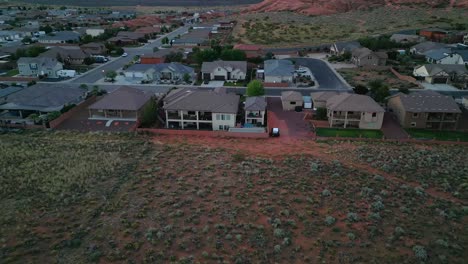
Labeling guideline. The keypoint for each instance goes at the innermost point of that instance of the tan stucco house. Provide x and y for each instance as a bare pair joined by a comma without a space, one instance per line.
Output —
187,108
354,110
255,108
367,57
291,99
319,99
425,109
224,70
125,104
442,73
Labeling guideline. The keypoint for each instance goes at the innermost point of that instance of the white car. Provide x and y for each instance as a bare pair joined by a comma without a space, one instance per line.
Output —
124,54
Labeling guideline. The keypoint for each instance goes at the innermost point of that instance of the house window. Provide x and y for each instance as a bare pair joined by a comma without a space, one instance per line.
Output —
218,117
220,127
223,117
350,113
293,103
413,124
228,117
226,127
374,114
415,115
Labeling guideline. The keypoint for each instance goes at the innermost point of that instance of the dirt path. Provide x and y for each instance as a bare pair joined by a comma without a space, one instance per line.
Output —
277,148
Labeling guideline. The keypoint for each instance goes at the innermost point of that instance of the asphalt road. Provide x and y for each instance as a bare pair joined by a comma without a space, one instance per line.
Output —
98,73
325,76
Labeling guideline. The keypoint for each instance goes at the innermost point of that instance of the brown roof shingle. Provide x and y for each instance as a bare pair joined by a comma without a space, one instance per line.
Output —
124,98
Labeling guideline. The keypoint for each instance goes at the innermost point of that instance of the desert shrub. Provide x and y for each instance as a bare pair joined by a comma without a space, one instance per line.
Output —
420,252
352,217
329,220
377,206
326,193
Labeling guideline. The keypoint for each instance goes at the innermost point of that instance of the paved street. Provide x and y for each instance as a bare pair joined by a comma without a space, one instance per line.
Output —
327,78
94,75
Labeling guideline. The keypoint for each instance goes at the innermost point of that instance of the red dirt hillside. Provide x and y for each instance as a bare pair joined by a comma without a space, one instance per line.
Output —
325,7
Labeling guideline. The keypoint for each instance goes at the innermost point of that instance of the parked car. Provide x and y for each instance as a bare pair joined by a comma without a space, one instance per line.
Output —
275,132
124,54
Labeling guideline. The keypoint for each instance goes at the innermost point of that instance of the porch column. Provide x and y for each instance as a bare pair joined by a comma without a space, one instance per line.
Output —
345,119
167,119
182,119
21,114
121,115
105,113
441,121
331,119
198,123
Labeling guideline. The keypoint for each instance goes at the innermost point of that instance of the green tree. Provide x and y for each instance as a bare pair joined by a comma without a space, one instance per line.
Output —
26,40
186,77
233,55
255,88
165,41
89,60
379,90
111,75
119,51
360,89
150,113
174,57
321,113
47,29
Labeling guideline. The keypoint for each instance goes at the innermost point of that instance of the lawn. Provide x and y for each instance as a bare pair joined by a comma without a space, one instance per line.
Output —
234,84
351,133
438,135
124,198
12,72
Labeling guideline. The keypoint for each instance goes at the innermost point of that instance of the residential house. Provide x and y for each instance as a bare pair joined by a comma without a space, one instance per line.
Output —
463,56
150,32
340,48
255,108
5,92
279,71
127,38
251,51
354,110
94,32
7,35
319,99
159,56
94,48
39,99
40,66
125,103
434,34
291,99
366,57
68,55
60,37
425,109
196,37
422,48
406,39
224,70
443,56
161,73
201,109
442,73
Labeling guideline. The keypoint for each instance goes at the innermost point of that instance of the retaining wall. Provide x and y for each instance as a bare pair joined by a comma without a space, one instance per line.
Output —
203,133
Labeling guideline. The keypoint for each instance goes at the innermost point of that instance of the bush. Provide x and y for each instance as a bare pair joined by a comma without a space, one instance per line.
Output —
329,220
352,217
326,193
420,252
150,113
321,113
255,88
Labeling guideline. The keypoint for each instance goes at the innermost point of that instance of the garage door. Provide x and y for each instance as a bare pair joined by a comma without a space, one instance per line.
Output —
440,80
219,78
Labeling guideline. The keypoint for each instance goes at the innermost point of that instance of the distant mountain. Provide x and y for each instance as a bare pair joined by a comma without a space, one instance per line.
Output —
92,3
321,7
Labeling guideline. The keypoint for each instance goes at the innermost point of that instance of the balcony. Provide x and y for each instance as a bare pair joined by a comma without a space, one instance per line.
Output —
190,117
206,117
173,115
254,115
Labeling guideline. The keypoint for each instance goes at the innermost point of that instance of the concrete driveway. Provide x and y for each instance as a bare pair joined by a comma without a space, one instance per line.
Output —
327,78
290,123
392,129
214,84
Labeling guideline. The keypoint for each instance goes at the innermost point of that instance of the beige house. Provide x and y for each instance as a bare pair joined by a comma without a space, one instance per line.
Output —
367,57
442,73
125,104
320,98
94,32
187,108
291,99
255,108
224,70
425,109
354,110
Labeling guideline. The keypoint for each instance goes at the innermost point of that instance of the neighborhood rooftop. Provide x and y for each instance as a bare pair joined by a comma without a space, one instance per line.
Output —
124,98
353,102
428,101
255,103
201,100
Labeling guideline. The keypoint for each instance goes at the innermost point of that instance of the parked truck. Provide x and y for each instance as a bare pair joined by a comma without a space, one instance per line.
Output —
100,59
66,73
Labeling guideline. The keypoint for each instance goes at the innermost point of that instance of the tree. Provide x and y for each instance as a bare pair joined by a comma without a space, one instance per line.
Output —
174,57
165,41
206,55
47,29
150,113
269,55
379,90
26,40
360,89
255,88
119,51
186,77
111,75
321,113
233,55
89,60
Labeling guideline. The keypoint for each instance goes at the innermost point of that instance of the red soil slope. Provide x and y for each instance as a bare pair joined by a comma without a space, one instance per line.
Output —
324,7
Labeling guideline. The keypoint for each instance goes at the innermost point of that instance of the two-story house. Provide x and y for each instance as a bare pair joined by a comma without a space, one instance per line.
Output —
224,70
187,108
40,66
354,110
255,108
425,109
367,57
